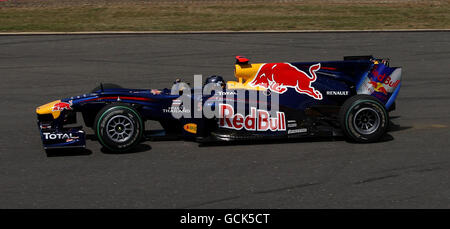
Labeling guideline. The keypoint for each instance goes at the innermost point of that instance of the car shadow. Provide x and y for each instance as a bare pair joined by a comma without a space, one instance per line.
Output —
68,152
144,147
137,149
266,141
91,137
386,138
396,127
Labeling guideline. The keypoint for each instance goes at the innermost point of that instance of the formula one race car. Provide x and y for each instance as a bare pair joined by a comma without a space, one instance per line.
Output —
268,101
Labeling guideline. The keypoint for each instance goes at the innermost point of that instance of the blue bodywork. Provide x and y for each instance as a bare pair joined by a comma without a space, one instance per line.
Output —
336,80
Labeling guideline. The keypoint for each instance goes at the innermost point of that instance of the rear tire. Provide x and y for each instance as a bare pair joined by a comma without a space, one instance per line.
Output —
119,127
363,118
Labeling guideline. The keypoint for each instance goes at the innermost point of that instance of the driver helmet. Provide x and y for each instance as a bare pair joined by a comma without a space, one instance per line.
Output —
215,80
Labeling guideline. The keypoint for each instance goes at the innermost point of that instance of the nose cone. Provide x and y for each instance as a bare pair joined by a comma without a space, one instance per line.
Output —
48,109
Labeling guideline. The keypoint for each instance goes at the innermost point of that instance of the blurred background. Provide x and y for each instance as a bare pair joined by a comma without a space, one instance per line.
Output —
212,15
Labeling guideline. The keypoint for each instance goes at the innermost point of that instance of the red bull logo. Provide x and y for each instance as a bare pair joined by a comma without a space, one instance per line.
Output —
382,77
61,106
378,87
257,120
381,82
278,77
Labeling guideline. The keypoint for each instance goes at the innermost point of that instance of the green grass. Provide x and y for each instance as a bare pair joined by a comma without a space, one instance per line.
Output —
227,16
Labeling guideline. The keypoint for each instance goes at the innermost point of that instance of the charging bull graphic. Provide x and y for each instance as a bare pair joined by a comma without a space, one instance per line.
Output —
279,76
61,106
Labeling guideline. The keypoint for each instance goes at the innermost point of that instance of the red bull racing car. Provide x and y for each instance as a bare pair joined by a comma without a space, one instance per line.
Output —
351,97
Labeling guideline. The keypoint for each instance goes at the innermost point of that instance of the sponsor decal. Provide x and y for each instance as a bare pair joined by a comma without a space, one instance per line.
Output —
191,128
257,120
385,79
278,77
297,131
337,92
292,123
381,81
45,126
378,87
59,136
224,93
176,102
61,106
176,109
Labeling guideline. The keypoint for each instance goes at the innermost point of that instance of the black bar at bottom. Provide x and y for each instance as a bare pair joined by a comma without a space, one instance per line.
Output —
224,218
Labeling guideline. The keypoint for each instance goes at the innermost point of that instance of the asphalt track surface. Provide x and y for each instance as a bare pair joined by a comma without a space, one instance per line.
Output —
410,168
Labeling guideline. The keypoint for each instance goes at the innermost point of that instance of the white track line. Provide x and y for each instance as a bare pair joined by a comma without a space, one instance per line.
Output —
219,32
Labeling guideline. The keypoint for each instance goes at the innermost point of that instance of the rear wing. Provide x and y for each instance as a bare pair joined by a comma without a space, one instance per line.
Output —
382,82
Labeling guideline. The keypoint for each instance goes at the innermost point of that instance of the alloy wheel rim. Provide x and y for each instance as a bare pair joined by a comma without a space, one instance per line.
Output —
120,128
366,121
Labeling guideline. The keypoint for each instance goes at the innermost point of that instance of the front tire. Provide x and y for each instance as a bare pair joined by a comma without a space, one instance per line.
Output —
363,118
119,127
